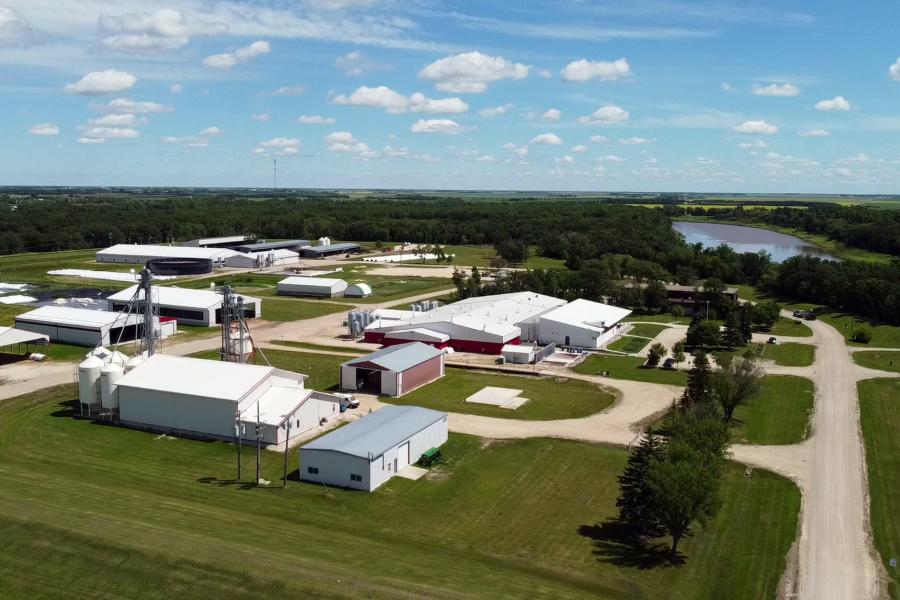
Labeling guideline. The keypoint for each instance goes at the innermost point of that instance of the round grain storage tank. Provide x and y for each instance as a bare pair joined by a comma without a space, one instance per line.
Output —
109,393
133,362
89,380
116,358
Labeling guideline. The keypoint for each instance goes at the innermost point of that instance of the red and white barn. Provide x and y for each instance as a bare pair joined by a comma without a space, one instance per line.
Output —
393,371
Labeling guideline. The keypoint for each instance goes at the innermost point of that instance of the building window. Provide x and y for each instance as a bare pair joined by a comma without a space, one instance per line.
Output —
354,477
312,470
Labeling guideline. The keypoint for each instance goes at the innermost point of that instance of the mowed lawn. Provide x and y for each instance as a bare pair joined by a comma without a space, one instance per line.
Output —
647,330
93,510
296,309
549,397
879,407
323,371
788,354
779,415
629,344
789,327
881,360
386,289
629,367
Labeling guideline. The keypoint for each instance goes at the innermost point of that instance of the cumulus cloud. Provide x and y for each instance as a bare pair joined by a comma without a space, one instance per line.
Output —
520,151
756,127
315,120
176,88
163,29
356,63
754,144
44,129
445,126
636,141
565,159
15,30
585,70
551,114
261,117
815,133
102,82
579,148
486,158
598,139
395,102
605,115
836,104
111,133
775,89
87,140
546,138
279,146
118,120
199,140
611,158
227,60
495,111
124,105
471,72
894,71
289,90
344,141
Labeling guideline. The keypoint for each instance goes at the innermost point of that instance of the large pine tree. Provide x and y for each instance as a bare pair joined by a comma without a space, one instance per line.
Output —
636,505
698,397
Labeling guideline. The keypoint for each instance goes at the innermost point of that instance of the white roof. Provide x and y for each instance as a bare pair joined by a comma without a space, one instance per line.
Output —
277,254
147,251
10,336
78,317
312,281
418,333
177,296
392,314
276,404
364,288
585,313
221,240
517,349
196,377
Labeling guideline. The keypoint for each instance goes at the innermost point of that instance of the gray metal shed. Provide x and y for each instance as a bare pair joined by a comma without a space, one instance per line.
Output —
395,370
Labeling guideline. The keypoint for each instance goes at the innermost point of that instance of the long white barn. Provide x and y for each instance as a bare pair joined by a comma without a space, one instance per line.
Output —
187,306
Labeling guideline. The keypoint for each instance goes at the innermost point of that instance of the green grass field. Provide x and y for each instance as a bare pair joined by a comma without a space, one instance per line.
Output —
779,415
789,327
8,313
386,289
629,367
628,344
549,397
883,361
321,347
647,330
322,370
788,354
134,515
883,336
659,318
32,268
296,309
880,419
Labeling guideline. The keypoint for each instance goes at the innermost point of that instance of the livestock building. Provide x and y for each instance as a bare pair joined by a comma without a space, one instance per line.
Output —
366,453
486,324
358,290
312,287
141,253
294,245
189,307
21,342
326,250
208,398
81,326
258,260
393,371
228,241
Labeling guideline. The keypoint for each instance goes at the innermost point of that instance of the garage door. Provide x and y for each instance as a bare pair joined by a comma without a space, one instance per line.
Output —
403,456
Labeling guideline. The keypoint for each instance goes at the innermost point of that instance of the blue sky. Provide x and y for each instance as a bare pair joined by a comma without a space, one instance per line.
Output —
653,95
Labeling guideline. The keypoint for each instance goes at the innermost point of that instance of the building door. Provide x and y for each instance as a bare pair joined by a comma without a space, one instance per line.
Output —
403,456
567,341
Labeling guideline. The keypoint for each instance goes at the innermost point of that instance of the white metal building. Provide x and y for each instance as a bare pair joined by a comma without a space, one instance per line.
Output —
358,290
14,341
190,307
141,253
80,326
313,287
581,323
518,354
368,452
268,258
393,371
221,242
207,397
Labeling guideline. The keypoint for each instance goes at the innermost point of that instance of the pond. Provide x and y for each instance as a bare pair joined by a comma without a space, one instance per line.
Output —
748,239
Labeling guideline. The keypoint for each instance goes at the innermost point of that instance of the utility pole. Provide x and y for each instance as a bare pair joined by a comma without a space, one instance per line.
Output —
238,430
258,443
287,436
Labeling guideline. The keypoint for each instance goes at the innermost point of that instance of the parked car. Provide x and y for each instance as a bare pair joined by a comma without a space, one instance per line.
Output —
771,340
669,363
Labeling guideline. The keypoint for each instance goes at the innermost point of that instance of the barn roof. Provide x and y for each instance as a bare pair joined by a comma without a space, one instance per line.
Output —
397,358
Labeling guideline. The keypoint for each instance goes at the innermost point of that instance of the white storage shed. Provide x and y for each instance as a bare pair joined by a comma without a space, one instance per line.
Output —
368,452
358,290
80,326
393,371
518,354
580,323
187,306
313,287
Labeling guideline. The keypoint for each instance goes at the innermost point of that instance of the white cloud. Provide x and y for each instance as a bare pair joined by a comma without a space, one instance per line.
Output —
545,74
611,158
395,151
15,30
289,90
395,102
756,127
445,126
599,139
495,111
176,88
102,82
565,159
585,70
486,158
860,157
815,133
551,114
280,146
44,129
124,105
894,71
754,144
87,140
838,103
605,115
520,151
727,87
118,120
227,60
471,72
579,148
344,141
546,138
200,140
164,29
110,133
775,89
636,141
261,117
356,63
315,120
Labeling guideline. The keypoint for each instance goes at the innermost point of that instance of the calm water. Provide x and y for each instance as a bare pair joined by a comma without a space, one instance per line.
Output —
748,239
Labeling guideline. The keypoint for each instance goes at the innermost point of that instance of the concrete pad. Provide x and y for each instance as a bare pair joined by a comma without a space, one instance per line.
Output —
514,403
495,396
412,472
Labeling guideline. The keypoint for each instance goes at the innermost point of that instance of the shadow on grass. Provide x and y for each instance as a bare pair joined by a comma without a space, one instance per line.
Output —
614,544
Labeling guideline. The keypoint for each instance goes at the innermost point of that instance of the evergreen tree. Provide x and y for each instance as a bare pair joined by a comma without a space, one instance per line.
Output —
745,323
731,335
635,502
698,397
